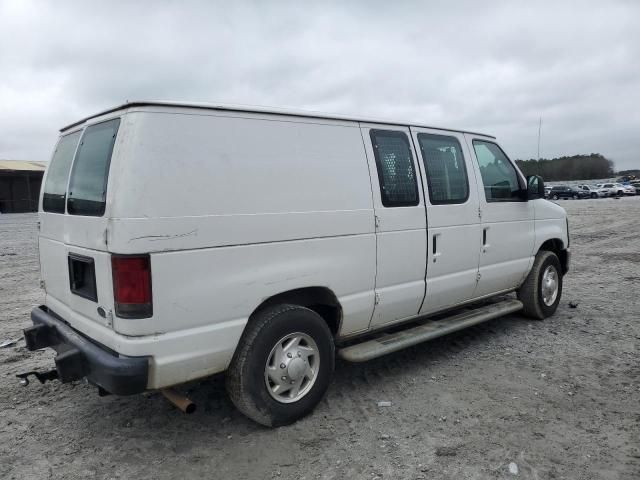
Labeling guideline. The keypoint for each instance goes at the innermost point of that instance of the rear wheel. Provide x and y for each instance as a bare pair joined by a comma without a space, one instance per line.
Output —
594,195
541,291
282,366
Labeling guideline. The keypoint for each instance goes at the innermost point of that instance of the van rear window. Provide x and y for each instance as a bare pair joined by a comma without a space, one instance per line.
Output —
55,186
88,184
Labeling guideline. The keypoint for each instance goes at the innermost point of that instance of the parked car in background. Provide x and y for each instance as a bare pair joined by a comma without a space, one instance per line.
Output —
581,192
611,189
636,184
628,189
590,191
563,191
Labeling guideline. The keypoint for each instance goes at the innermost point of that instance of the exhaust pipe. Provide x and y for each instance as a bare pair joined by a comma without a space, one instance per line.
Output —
180,401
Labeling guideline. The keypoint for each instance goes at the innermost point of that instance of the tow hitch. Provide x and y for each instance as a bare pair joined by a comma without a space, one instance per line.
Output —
41,376
78,357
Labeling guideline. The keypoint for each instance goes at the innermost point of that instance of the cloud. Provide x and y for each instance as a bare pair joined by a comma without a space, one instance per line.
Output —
495,67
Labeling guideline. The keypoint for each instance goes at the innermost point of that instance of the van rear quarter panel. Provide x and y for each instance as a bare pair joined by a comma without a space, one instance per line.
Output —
235,208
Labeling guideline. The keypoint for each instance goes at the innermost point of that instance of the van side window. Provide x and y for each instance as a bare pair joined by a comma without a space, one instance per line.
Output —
54,194
88,184
445,168
499,176
396,174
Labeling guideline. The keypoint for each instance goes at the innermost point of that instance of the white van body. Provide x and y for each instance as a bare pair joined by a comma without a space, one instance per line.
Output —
236,207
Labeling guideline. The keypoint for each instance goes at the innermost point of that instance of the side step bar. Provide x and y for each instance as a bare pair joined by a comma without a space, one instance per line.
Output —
392,342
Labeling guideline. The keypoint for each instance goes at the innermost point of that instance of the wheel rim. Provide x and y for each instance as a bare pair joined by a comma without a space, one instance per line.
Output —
292,367
550,285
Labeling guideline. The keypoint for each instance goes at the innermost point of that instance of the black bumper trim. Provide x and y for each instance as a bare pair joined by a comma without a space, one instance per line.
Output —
78,357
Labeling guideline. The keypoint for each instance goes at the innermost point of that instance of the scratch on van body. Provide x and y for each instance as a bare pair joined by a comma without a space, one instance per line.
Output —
288,279
155,238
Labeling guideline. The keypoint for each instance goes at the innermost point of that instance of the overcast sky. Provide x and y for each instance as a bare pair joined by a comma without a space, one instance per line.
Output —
495,67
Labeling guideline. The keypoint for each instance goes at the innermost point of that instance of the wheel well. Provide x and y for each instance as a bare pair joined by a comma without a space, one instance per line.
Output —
556,246
319,299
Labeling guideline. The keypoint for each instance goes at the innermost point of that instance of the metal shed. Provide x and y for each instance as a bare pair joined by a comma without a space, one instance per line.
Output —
20,185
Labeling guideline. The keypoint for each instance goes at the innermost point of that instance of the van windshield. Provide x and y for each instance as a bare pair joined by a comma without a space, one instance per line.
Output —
88,184
55,187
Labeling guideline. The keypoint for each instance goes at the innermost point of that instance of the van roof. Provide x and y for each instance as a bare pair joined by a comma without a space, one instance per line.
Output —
256,109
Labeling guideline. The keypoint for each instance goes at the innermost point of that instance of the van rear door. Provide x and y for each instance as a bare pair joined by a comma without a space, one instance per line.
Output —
74,261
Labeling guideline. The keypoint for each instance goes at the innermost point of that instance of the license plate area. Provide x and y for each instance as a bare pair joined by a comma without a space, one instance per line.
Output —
82,277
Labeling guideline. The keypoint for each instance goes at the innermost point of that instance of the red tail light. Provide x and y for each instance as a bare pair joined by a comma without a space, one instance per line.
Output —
132,285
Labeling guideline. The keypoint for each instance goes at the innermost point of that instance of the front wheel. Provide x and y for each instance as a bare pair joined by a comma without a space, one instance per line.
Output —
594,195
555,197
541,291
282,366
575,197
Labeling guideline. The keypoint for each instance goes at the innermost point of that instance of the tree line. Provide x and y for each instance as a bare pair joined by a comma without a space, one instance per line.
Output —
577,167
635,172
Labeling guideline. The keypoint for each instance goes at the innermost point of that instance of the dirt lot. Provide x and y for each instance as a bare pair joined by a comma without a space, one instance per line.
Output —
558,398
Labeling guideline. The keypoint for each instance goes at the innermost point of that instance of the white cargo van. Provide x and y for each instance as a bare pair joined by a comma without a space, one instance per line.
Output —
182,240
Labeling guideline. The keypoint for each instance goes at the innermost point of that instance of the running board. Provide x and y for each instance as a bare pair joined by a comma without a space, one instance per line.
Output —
392,342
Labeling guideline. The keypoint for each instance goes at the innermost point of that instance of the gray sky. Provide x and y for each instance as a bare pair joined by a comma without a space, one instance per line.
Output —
495,67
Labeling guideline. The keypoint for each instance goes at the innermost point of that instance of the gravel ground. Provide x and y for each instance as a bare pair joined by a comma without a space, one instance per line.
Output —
557,399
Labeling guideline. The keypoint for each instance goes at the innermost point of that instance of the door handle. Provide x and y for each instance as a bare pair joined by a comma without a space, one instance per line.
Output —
485,244
434,246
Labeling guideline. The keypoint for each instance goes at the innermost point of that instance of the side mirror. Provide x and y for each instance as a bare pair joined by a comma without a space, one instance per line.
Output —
535,187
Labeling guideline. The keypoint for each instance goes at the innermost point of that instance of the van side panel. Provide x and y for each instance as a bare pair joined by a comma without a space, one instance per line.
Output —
179,165
237,208
204,286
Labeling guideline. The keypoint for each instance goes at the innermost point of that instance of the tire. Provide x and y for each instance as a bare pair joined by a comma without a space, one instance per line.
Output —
555,197
247,379
594,195
575,197
531,291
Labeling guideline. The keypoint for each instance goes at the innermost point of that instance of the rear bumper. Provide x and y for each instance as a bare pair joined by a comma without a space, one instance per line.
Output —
78,357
